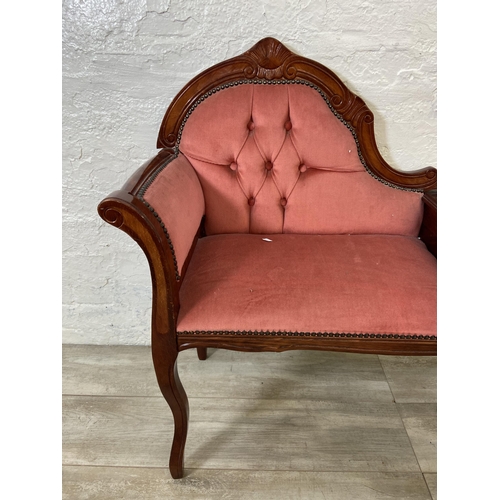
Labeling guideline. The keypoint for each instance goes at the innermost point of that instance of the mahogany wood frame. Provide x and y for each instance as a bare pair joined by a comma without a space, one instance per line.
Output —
268,60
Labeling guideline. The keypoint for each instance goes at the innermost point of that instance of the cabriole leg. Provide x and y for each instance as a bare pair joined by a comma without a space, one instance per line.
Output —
165,363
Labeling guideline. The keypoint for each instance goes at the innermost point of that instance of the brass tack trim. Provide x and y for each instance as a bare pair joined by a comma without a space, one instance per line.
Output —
311,334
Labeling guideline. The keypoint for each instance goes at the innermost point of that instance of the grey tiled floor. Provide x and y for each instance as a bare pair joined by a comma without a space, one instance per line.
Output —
293,425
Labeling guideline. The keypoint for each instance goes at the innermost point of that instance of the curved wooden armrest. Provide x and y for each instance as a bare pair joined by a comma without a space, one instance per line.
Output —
127,210
428,230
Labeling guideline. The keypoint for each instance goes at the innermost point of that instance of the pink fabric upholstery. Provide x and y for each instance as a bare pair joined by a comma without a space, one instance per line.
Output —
274,158
310,283
361,204
177,197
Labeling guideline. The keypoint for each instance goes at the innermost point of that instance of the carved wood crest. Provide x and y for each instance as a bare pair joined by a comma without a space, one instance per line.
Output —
270,59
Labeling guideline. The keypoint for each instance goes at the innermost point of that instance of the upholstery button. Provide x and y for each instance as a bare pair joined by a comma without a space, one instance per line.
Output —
269,165
251,201
302,168
288,125
233,166
283,202
250,125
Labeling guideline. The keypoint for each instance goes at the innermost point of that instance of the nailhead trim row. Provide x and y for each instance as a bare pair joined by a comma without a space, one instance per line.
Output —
312,334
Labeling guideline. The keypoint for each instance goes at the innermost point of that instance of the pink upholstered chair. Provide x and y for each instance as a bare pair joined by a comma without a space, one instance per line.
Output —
271,221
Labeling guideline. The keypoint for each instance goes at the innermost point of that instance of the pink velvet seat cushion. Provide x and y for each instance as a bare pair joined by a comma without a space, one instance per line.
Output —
310,283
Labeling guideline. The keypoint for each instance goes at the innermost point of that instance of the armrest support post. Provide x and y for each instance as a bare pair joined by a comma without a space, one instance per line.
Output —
428,230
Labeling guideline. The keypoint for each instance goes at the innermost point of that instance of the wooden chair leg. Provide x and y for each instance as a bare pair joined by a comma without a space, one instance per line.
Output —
165,363
202,353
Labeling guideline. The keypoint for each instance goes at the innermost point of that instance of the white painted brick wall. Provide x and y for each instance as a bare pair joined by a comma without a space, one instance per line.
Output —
124,60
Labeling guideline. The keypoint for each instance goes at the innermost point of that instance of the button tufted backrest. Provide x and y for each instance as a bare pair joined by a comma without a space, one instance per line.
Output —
275,158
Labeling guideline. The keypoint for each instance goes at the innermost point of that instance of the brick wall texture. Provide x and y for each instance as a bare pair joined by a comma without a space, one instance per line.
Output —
124,61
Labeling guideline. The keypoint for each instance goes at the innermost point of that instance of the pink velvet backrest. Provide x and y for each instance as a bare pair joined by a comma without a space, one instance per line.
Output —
274,158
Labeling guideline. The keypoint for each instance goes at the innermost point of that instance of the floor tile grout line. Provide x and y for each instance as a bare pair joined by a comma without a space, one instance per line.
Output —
386,379
427,484
401,418
409,439
160,467
236,399
111,396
